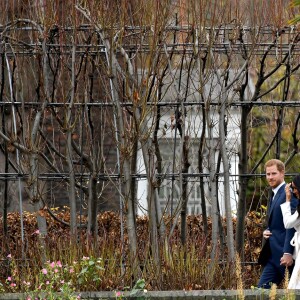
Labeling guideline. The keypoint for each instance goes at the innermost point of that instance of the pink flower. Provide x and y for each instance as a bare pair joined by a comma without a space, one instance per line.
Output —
71,270
47,282
37,232
62,281
12,284
118,294
44,271
58,263
9,278
55,270
52,265
9,256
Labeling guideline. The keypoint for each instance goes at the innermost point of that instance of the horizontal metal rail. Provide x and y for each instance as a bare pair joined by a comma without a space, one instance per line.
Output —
105,177
98,103
267,29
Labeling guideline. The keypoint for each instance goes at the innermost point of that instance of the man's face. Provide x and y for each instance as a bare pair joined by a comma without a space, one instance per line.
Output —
274,177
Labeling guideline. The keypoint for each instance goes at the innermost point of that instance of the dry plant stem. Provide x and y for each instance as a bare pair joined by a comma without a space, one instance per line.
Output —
239,277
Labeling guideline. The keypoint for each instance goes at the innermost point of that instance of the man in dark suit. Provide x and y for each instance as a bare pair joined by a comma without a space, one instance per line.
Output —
281,251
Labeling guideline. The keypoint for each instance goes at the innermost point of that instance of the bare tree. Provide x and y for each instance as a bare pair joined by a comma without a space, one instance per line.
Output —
148,76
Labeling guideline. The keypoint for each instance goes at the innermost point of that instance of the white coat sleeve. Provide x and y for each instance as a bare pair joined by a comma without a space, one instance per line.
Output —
290,220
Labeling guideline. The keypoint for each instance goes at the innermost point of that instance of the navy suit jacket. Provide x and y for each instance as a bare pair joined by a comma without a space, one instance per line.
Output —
281,237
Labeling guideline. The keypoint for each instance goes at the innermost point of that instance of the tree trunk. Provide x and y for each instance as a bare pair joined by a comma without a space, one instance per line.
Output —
227,200
213,193
185,169
243,182
92,207
69,151
201,170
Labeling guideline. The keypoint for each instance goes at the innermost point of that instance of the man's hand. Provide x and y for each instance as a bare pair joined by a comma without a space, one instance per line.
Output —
267,233
286,260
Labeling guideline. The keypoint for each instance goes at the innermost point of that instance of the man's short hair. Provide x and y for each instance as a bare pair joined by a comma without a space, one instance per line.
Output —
275,162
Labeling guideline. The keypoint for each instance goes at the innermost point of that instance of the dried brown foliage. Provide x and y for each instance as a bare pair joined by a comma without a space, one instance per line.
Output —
186,267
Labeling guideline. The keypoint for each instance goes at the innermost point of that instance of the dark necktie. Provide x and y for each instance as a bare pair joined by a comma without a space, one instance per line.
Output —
269,206
272,196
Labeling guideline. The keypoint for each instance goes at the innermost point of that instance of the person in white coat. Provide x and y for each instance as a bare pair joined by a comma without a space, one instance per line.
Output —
291,220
